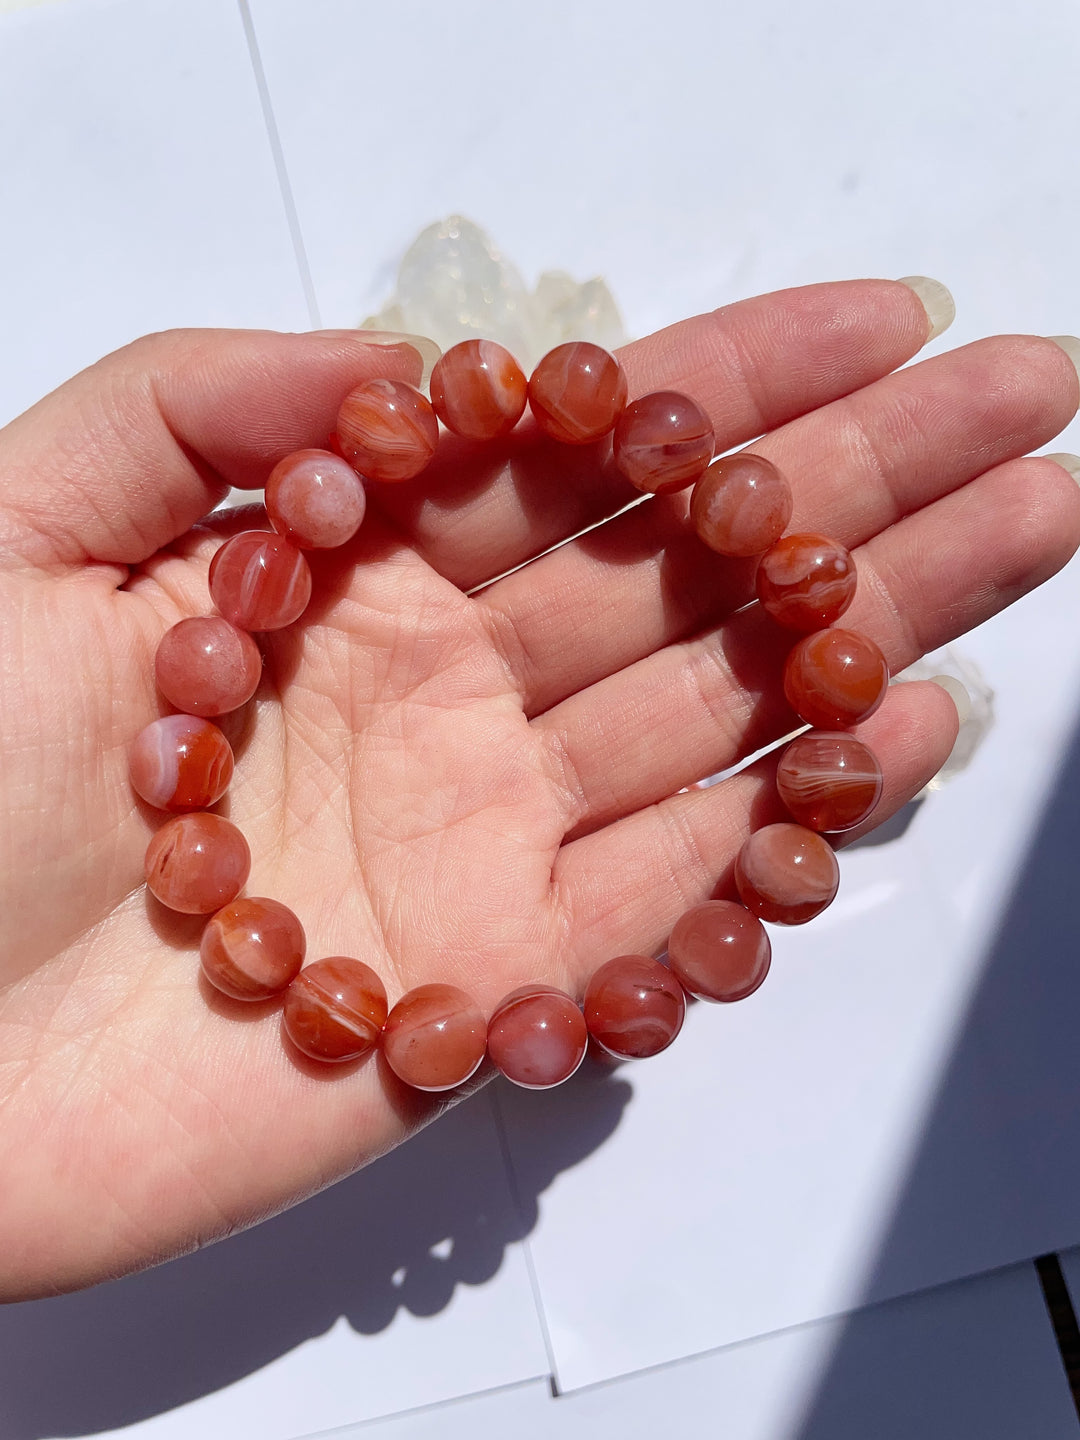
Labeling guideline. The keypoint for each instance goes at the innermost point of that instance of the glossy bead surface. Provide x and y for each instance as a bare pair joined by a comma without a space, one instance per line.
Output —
206,666
719,951
434,1037
835,678
259,581
786,874
335,1009
634,1007
181,762
806,582
828,780
315,499
537,1037
741,505
387,430
478,390
252,949
577,392
663,442
197,863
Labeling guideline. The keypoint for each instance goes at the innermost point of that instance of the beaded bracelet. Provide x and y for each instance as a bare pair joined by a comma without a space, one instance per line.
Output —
435,1036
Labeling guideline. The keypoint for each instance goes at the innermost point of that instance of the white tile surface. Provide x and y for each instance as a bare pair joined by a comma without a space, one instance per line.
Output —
976,1359
137,185
400,1287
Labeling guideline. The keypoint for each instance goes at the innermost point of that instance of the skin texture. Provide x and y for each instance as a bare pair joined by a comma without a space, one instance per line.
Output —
479,790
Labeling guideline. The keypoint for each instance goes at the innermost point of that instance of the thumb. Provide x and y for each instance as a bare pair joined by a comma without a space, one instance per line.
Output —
125,457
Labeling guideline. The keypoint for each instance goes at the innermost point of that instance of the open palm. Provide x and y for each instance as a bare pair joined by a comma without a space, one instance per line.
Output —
487,787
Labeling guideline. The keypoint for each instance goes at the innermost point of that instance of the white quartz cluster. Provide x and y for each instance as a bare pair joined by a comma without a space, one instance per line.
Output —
454,283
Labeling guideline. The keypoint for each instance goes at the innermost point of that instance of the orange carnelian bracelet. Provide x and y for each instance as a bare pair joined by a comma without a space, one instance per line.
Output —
435,1037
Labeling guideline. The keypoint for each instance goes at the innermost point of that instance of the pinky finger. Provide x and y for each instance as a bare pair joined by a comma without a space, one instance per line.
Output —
626,885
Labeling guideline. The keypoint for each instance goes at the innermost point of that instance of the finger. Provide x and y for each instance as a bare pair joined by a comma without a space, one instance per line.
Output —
857,466
125,457
478,511
698,707
625,886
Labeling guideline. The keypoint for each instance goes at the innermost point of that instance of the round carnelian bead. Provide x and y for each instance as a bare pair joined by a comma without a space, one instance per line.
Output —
663,442
315,499
478,390
634,1007
181,762
537,1037
197,863
719,951
387,430
335,1009
829,781
252,949
577,392
259,581
806,582
835,678
434,1037
741,505
207,666
786,874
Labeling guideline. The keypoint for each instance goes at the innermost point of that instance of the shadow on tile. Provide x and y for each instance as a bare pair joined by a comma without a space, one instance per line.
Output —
996,1174
401,1235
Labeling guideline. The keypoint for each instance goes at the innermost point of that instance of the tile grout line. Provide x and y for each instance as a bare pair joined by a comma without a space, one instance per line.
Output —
291,215
1063,1319
515,1195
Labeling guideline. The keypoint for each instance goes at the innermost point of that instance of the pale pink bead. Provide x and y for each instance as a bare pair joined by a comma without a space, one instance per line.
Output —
259,581
315,499
197,863
537,1037
181,762
207,666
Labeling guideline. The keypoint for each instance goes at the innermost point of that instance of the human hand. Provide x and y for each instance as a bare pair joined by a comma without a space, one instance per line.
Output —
481,789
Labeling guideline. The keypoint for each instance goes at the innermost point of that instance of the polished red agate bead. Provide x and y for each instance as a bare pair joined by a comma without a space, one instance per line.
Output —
634,1007
181,762
478,390
197,863
259,581
577,392
335,1009
207,666
829,781
806,582
786,874
537,1037
663,442
315,499
719,951
434,1037
835,678
387,430
741,505
252,949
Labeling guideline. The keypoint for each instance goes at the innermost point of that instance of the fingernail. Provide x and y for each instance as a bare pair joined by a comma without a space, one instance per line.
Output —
939,305
1071,345
1071,463
427,349
956,693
